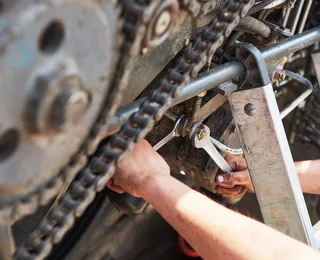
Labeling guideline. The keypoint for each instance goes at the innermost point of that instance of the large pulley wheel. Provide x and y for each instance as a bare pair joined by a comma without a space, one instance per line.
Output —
55,62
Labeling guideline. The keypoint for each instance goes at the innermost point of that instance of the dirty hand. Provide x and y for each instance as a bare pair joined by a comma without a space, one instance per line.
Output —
140,165
235,184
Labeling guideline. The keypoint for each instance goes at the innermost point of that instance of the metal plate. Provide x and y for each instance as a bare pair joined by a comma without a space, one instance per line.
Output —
270,163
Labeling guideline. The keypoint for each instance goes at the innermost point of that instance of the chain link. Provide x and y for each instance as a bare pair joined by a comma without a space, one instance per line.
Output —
135,17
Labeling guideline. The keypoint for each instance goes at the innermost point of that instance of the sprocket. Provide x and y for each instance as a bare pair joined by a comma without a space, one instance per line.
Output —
56,61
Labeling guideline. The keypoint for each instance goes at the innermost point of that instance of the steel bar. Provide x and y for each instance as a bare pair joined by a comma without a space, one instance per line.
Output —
296,15
305,16
210,79
218,75
291,45
286,17
171,116
303,96
270,163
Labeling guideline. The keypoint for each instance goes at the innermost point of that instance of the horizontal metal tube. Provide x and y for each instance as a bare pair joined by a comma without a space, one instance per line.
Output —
218,75
291,45
210,79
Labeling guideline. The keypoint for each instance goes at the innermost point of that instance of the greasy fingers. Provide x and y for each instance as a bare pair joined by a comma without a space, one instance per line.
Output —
232,193
237,163
234,184
229,180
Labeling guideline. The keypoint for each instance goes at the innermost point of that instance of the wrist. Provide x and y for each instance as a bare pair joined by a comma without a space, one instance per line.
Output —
150,184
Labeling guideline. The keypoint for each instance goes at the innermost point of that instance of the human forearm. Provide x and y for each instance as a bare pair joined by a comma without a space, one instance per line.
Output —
309,176
214,231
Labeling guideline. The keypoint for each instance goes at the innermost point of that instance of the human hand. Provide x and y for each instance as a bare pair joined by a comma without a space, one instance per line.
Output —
235,184
134,171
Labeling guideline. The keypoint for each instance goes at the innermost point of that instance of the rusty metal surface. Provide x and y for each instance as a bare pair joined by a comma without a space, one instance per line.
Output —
31,58
159,57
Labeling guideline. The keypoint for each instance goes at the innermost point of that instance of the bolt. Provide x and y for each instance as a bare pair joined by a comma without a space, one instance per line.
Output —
162,23
201,134
250,109
236,80
280,75
202,94
69,107
57,99
186,42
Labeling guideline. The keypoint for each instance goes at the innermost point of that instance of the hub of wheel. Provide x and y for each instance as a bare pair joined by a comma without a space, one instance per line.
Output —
54,81
58,99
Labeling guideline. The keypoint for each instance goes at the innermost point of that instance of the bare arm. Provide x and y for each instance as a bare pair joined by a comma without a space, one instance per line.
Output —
213,231
309,176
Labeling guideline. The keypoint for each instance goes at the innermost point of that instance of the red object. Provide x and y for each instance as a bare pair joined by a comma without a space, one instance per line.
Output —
185,248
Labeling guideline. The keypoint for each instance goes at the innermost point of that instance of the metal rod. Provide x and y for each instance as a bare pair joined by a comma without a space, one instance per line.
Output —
305,16
303,96
210,79
297,16
218,75
171,116
286,17
291,45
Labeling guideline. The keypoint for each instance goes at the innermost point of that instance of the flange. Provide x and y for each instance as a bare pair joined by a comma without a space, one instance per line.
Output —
55,63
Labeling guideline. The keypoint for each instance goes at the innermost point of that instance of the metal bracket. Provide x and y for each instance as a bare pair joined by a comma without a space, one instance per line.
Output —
266,150
256,71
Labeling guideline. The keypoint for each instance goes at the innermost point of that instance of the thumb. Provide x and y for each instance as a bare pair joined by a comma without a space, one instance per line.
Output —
229,180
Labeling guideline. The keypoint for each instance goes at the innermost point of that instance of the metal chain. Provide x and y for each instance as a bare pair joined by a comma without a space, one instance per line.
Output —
29,203
101,167
43,195
198,7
